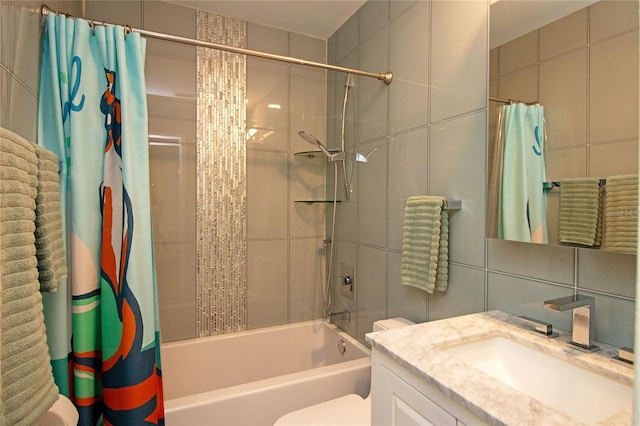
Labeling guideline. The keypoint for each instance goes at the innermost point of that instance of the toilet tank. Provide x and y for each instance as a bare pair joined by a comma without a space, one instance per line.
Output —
390,323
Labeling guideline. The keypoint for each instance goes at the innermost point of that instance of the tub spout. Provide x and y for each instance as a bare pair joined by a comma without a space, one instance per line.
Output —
339,316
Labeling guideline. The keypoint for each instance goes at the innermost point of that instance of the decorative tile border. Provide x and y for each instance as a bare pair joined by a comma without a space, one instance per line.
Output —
221,183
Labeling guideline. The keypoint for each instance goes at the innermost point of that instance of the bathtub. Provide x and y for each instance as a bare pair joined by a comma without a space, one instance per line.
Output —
255,377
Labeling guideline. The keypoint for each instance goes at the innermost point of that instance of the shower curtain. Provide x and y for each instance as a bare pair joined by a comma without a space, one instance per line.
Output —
495,177
102,324
523,207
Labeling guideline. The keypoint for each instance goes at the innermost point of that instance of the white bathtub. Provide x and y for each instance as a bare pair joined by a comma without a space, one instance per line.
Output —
255,377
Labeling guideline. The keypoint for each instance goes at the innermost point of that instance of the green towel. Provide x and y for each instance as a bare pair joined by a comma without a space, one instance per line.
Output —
17,226
27,388
53,218
16,213
10,186
621,214
19,279
49,162
425,244
17,200
12,160
580,208
52,263
48,175
16,240
14,173
48,197
17,253
14,144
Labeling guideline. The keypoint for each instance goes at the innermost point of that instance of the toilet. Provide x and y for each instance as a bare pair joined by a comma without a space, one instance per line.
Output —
348,410
62,413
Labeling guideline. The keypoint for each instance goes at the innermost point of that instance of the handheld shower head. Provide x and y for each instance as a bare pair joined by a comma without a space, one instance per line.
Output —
314,141
360,158
349,81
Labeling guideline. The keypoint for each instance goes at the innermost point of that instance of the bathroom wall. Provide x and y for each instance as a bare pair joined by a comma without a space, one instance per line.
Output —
285,251
427,134
20,50
423,134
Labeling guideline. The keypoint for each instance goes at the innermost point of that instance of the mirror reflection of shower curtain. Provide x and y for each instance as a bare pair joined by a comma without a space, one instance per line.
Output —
523,212
493,197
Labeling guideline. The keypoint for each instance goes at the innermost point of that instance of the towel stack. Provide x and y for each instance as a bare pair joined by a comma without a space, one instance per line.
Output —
621,211
52,265
425,243
581,211
27,381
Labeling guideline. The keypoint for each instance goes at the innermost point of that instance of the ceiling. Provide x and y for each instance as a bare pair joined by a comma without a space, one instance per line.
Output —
509,18
512,18
314,18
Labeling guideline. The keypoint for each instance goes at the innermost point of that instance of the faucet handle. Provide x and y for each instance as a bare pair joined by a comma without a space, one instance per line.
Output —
541,327
625,355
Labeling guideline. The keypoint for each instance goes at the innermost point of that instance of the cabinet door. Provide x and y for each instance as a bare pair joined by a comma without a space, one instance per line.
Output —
405,405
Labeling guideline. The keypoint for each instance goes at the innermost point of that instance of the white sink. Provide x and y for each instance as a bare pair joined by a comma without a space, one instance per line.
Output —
585,396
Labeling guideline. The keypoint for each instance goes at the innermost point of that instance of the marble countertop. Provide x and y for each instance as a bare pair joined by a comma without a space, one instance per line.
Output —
417,348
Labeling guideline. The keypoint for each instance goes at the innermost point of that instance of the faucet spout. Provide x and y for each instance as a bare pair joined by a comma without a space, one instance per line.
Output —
583,318
339,316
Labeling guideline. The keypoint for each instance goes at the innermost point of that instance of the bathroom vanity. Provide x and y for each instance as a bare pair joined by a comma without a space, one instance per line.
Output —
491,368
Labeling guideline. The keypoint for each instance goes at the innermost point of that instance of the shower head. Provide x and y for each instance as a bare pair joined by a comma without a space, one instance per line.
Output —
314,141
360,158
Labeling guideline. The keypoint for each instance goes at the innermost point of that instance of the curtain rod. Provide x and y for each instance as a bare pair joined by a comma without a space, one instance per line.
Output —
386,76
510,101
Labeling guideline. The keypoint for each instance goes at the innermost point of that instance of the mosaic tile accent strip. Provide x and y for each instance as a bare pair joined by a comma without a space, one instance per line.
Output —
222,194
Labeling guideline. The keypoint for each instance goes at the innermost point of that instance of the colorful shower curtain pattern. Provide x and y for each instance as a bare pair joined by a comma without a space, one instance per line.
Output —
93,115
523,206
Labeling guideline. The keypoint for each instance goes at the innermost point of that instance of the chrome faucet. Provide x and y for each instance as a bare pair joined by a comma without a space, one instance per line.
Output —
583,318
339,316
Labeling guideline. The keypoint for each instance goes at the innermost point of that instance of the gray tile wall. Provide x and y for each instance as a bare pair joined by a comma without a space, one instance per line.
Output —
424,134
285,251
429,133
20,49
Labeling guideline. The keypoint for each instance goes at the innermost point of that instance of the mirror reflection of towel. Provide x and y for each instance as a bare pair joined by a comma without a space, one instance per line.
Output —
580,219
621,214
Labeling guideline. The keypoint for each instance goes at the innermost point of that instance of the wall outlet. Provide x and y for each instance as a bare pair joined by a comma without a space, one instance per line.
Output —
346,281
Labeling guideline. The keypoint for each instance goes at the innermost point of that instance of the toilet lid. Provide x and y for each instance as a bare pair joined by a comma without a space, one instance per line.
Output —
61,413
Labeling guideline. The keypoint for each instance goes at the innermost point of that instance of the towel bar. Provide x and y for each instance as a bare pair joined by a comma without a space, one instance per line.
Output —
558,184
453,204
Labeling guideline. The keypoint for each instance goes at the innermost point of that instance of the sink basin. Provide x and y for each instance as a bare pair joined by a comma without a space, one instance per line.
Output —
583,395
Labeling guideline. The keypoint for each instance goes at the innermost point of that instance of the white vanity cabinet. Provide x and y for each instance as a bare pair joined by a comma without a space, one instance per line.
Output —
398,397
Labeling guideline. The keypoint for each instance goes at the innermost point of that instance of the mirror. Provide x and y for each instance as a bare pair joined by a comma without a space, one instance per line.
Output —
580,61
